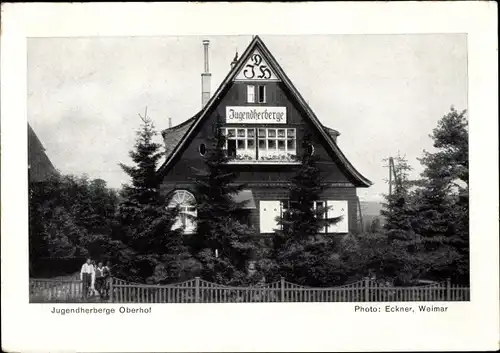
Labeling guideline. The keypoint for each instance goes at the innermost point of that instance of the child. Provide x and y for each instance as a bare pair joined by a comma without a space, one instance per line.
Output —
107,278
92,282
99,278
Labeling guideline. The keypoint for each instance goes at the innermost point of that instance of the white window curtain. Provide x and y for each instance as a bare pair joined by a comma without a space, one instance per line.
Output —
250,94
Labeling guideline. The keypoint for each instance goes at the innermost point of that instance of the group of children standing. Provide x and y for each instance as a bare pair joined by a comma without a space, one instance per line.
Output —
95,278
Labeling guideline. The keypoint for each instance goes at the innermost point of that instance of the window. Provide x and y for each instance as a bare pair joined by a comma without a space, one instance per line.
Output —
269,211
202,149
261,91
332,208
277,144
187,210
250,94
261,94
310,149
321,205
240,143
263,144
338,208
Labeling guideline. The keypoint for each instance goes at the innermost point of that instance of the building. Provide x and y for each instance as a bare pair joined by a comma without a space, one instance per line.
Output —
265,120
40,168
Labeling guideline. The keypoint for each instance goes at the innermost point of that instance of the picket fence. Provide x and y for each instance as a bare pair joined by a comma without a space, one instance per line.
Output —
201,291
50,290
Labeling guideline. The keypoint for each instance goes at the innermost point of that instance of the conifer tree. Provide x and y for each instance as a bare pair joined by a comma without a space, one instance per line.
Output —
398,250
302,253
70,218
427,227
153,251
443,203
223,242
398,206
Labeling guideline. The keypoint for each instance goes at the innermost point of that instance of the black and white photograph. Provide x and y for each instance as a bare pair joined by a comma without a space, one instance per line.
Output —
207,176
237,169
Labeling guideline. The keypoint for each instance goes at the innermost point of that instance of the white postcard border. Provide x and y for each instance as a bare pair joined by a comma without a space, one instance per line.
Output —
252,327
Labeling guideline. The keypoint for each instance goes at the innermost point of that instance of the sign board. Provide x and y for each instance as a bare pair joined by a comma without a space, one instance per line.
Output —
256,69
255,115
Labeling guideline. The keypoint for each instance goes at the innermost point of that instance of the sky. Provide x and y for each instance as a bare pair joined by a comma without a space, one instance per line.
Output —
383,93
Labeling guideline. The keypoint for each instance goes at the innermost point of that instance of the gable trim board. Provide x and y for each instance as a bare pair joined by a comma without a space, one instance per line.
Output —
198,119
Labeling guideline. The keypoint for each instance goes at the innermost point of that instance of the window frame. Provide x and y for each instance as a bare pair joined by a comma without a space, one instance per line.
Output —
263,147
187,210
328,204
268,151
251,94
258,94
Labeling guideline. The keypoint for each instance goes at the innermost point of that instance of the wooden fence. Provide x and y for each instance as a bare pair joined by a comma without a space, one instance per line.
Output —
55,290
201,291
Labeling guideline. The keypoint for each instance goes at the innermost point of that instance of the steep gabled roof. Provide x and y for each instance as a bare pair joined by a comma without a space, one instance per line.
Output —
39,164
172,136
184,131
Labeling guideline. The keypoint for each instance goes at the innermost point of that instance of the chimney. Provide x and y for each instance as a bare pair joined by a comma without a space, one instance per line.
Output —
169,123
205,77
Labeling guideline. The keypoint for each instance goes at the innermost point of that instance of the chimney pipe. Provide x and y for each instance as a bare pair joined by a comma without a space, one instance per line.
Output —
169,123
205,76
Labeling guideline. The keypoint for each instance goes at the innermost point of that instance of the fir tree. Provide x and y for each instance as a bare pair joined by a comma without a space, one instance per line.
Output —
443,204
398,206
153,250
427,226
397,256
302,253
223,243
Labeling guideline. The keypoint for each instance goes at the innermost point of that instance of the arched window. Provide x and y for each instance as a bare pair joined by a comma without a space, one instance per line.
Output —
202,149
187,210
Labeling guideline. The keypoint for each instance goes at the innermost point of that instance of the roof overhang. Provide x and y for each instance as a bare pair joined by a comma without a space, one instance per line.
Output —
245,196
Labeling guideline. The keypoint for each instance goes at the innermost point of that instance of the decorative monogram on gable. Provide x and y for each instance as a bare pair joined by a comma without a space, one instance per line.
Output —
256,68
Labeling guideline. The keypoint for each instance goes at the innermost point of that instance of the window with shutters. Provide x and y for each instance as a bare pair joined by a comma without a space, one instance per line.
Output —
338,208
332,208
269,211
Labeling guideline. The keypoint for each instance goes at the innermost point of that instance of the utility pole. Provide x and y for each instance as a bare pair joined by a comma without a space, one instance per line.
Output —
360,215
391,166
